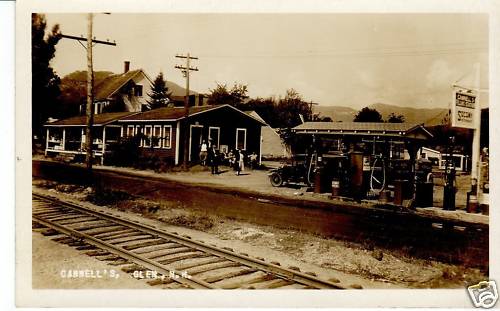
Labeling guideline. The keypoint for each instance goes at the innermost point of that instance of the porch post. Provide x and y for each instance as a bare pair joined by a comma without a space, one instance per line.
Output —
47,141
82,143
64,139
103,144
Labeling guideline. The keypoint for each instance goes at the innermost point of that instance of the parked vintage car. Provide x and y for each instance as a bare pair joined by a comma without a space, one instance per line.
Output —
297,170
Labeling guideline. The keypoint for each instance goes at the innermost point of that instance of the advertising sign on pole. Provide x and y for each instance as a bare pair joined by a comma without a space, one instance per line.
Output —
463,110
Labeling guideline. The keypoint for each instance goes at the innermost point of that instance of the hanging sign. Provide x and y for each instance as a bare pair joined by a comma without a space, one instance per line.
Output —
463,110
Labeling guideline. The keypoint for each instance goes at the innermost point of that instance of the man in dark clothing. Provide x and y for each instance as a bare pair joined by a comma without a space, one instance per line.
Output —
213,159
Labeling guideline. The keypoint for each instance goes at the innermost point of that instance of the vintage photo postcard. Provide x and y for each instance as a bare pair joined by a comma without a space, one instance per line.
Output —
245,154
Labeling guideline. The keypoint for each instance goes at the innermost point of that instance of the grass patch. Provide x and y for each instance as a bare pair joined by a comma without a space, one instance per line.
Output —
197,222
108,197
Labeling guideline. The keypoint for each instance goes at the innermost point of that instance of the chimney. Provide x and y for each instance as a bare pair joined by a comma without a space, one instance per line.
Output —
126,66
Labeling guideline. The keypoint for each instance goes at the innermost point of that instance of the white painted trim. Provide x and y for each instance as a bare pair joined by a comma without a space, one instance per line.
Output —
169,137
177,139
47,141
159,138
191,136
151,120
244,141
82,142
103,144
218,134
64,139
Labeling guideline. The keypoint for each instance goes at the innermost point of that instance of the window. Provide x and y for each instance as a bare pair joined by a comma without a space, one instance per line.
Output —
167,136
241,139
138,132
214,135
99,107
138,90
130,131
156,140
147,136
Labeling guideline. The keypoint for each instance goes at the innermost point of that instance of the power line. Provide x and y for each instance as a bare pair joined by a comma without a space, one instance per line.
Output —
397,51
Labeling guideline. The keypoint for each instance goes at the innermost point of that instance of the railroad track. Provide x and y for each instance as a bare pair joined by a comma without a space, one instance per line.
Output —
176,261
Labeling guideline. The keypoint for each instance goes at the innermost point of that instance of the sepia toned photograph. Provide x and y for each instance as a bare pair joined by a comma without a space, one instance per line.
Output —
287,152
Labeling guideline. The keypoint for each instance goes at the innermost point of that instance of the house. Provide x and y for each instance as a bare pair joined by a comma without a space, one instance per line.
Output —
223,125
124,92
178,95
459,161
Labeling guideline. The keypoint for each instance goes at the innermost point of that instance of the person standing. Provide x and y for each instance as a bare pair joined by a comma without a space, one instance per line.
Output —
237,167
203,153
215,160
240,163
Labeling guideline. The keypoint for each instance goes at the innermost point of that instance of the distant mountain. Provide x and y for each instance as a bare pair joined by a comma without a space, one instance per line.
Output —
177,90
429,116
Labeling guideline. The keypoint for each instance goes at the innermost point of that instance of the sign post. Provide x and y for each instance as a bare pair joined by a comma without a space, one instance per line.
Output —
466,113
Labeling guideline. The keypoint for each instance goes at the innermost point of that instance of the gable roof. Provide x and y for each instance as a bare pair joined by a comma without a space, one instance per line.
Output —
360,128
111,84
177,113
99,119
255,115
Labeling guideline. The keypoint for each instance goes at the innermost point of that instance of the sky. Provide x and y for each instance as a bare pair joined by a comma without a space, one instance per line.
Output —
353,60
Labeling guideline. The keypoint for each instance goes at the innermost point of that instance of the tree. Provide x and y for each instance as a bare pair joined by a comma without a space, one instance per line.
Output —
393,118
45,82
266,108
291,108
221,95
73,95
319,118
368,115
159,96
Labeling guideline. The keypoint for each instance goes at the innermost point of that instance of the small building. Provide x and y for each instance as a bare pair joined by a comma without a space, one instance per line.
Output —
162,130
460,162
366,157
393,139
222,125
272,144
430,154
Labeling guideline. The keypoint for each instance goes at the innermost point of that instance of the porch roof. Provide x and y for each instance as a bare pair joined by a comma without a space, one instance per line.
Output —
99,119
363,128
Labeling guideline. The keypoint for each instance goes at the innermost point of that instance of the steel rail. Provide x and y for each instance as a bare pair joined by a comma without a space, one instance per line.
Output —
296,276
150,264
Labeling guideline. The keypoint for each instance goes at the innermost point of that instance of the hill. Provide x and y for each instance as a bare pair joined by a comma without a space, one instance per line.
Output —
429,116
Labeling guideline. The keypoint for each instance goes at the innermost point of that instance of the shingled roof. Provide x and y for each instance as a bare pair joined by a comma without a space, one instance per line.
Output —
109,85
99,119
360,128
177,113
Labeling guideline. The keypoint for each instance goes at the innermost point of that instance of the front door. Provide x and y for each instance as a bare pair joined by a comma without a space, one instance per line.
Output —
195,142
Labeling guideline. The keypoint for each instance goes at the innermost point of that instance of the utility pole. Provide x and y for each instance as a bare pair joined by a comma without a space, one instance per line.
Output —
90,98
90,87
185,71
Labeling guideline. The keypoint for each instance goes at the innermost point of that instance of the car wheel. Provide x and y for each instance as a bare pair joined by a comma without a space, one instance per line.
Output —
276,179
